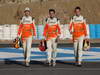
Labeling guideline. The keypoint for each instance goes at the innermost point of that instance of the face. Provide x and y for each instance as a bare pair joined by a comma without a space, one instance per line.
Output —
51,14
27,13
77,12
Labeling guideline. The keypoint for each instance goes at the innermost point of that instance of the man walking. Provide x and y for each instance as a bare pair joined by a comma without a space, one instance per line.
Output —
51,33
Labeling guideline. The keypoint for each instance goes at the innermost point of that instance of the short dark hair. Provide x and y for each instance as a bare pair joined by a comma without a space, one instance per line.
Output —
52,10
78,8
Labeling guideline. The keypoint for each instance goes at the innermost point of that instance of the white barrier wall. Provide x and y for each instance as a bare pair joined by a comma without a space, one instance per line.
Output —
1,32
9,32
65,34
6,32
14,30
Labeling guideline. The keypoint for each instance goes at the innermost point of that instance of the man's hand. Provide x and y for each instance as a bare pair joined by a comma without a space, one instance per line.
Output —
87,39
59,35
19,36
44,38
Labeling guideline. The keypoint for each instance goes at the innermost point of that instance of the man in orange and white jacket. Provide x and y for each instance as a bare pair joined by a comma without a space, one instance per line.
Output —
79,32
51,33
26,31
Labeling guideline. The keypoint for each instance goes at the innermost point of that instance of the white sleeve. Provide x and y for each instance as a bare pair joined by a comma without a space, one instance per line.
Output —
70,25
87,28
88,32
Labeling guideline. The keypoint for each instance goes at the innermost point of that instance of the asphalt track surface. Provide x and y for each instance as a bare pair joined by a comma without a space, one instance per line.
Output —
8,67
39,68
59,45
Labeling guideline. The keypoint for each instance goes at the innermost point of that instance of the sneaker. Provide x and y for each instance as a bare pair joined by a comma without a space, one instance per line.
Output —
54,64
78,64
27,64
49,63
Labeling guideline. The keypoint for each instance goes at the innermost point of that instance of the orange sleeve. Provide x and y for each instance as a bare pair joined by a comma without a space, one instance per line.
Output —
19,29
45,30
34,29
70,27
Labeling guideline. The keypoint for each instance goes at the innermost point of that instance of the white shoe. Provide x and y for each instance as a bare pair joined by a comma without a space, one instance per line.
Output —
54,64
49,63
79,64
27,64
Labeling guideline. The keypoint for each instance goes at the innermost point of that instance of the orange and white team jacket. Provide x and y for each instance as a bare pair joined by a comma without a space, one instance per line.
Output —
78,27
52,28
27,27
